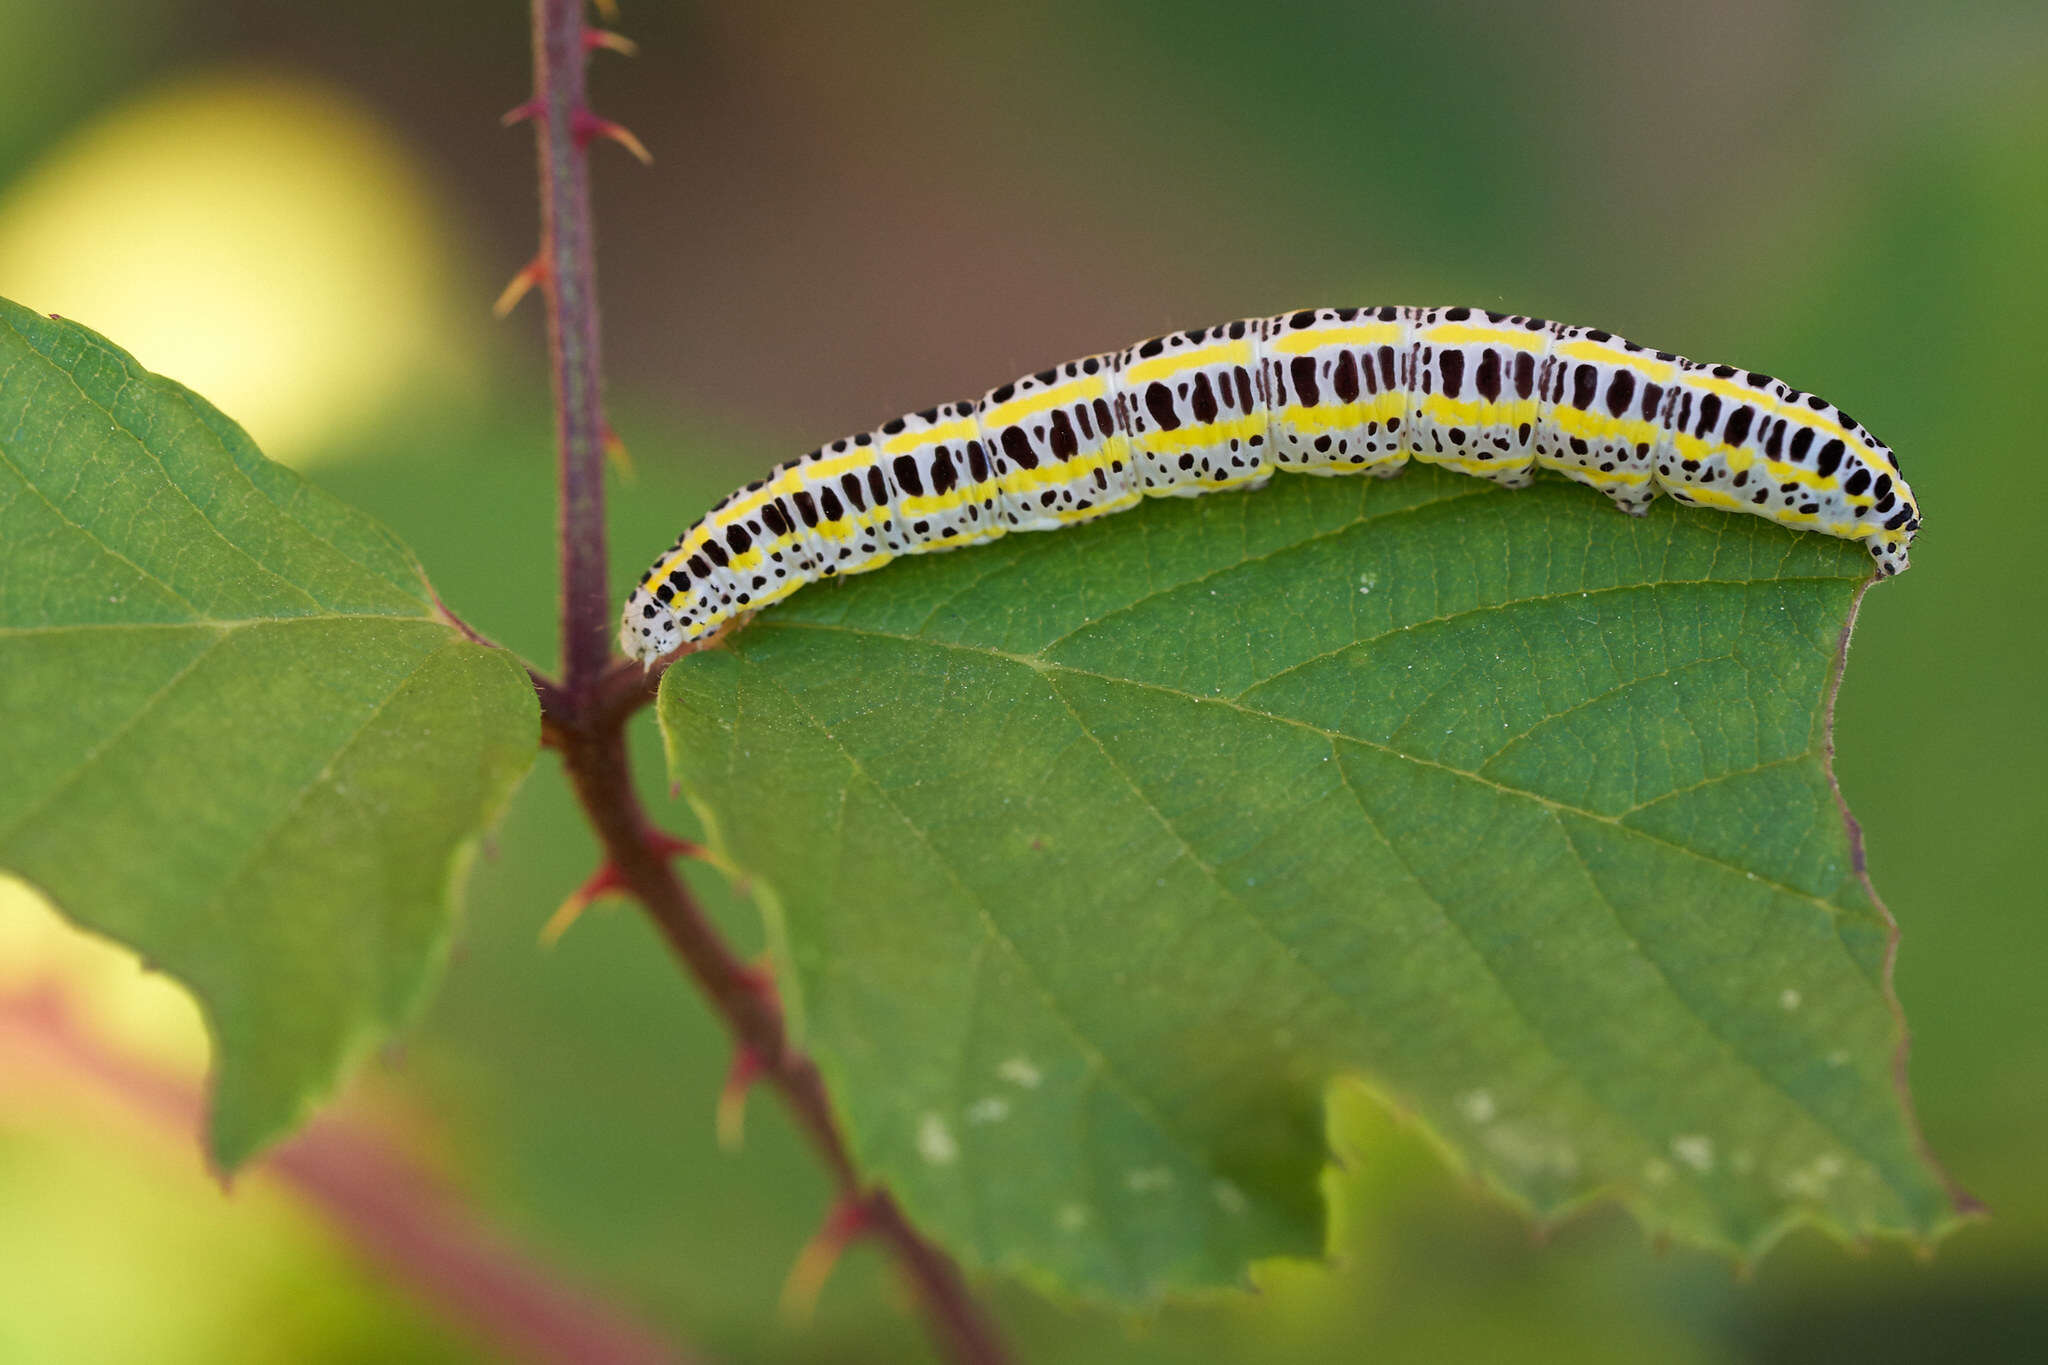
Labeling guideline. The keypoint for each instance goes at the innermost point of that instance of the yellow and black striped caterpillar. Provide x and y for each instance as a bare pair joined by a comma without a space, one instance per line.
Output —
1323,391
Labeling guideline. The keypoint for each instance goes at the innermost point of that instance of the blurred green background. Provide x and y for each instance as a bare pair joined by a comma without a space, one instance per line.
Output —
303,211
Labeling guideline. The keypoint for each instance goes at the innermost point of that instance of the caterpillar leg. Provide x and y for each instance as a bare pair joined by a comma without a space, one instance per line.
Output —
1506,478
1627,490
1485,463
1386,469
1634,501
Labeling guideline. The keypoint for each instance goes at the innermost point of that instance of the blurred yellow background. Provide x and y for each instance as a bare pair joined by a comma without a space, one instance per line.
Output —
303,211
265,240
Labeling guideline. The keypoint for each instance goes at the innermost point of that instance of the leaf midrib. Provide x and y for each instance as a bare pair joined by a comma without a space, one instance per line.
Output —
1042,665
220,624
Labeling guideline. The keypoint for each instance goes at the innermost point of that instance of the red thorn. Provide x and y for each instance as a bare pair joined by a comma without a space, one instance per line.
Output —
602,882
732,1100
520,113
848,1219
587,127
607,880
530,274
666,845
595,38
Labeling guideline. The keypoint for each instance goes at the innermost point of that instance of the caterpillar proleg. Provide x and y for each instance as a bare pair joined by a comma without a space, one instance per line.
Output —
1322,391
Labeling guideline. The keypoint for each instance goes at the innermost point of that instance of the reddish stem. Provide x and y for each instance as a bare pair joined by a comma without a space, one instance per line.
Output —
393,1210
570,278
600,772
584,716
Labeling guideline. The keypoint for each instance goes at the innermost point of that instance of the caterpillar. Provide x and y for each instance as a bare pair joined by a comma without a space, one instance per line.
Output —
1321,391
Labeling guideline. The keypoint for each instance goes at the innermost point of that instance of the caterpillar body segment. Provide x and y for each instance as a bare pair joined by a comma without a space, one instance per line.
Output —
1059,452
1473,404
1600,413
844,513
1197,420
1338,384
942,486
1320,391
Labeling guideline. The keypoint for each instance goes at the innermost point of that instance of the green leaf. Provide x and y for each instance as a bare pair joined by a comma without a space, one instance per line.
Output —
1094,858
235,732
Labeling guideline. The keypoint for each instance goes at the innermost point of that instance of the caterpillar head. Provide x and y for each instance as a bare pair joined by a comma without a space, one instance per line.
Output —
1891,514
1890,554
649,628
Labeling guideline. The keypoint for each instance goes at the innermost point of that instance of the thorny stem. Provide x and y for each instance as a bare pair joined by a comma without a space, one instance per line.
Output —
584,715
598,768
568,268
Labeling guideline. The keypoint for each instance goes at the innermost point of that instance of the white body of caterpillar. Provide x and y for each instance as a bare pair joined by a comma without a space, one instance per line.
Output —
1321,391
